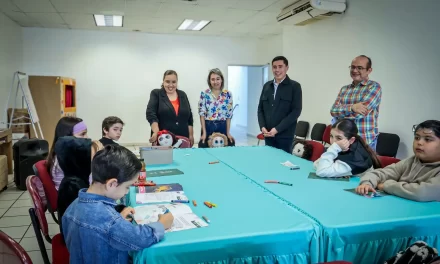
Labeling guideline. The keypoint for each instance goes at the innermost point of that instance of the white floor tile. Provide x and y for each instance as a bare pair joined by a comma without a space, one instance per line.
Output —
6,204
53,230
9,196
23,203
37,258
17,211
31,244
2,211
24,196
13,190
15,221
15,232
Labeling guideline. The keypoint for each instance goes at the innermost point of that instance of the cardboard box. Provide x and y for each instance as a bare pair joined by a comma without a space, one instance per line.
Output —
3,172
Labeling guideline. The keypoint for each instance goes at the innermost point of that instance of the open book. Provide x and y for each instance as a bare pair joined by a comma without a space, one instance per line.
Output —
184,218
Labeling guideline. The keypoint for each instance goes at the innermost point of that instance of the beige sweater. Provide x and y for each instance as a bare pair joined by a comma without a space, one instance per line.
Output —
410,179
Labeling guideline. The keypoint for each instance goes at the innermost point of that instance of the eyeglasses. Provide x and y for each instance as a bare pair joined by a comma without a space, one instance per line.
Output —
359,68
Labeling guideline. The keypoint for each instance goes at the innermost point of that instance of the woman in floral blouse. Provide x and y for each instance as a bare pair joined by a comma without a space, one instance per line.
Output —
215,108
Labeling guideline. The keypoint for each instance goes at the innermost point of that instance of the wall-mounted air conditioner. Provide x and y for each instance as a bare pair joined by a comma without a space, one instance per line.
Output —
303,12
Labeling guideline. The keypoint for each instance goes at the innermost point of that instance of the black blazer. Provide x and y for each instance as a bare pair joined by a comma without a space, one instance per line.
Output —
161,110
283,111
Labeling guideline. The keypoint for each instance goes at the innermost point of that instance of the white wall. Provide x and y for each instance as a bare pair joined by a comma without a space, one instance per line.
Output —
402,40
10,58
238,85
115,72
255,81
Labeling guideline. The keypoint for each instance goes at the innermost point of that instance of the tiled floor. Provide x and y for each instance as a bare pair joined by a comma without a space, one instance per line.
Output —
14,209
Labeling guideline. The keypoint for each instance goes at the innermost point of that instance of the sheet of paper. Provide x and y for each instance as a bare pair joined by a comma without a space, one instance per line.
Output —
289,164
184,218
172,187
313,175
159,197
370,194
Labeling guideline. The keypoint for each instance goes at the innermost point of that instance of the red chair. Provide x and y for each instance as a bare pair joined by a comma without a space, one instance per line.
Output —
260,137
386,161
326,135
318,149
60,254
11,252
51,192
185,142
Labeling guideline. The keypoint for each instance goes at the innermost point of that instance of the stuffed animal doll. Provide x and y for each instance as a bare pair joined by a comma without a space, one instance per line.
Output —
168,139
302,149
217,140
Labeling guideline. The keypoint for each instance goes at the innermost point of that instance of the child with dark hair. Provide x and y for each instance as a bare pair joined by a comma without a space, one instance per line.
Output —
94,231
111,130
416,178
348,154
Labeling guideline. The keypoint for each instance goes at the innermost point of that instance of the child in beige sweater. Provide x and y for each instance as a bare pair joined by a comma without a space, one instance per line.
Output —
416,178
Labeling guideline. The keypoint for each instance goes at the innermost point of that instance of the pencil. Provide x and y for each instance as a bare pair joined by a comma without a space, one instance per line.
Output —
206,219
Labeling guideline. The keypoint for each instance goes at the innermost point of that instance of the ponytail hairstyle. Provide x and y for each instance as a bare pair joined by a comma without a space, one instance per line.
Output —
349,128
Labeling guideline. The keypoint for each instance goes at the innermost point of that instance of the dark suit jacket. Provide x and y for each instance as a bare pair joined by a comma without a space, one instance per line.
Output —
161,110
283,111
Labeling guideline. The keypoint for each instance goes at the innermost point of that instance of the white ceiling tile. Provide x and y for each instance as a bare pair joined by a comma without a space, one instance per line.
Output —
243,28
47,18
144,23
278,6
218,3
261,18
189,11
43,6
256,5
269,29
91,6
235,15
21,18
8,5
180,2
79,21
69,6
218,27
141,9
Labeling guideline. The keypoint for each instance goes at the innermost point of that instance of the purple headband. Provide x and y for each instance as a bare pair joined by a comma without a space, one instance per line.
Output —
81,126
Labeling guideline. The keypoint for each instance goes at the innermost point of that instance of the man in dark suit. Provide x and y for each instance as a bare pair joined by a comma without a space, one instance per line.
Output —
279,107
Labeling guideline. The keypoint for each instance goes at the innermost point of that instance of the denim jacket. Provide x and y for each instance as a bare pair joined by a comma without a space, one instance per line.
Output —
96,233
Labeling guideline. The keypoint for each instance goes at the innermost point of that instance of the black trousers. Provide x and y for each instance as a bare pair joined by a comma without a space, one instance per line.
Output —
285,144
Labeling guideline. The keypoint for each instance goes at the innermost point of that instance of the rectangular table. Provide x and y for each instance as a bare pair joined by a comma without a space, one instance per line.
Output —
248,226
355,228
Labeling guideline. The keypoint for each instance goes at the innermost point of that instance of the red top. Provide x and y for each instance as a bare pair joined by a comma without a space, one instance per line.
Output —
176,105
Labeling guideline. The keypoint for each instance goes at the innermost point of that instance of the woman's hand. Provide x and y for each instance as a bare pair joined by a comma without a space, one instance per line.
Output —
191,140
231,138
153,138
203,137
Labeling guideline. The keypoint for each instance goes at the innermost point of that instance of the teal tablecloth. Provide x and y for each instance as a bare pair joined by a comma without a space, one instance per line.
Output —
355,228
249,225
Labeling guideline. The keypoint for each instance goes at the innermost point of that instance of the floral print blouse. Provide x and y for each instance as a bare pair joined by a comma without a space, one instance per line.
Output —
217,109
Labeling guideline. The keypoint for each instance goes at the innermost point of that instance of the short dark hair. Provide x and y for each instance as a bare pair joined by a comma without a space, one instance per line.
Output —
369,63
430,124
115,161
278,58
108,122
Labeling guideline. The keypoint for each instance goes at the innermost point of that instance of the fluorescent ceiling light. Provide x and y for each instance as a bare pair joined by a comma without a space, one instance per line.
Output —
108,20
195,25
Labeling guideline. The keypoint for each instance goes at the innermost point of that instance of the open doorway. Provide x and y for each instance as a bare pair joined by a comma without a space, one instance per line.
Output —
246,82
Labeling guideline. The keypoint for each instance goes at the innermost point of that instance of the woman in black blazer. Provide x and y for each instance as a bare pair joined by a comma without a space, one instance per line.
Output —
169,109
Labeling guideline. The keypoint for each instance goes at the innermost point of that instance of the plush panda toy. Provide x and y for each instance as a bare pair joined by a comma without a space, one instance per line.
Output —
168,139
217,140
302,149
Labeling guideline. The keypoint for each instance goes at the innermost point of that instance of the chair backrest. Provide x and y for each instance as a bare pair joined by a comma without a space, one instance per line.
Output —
185,142
48,185
39,207
318,149
302,129
386,161
317,132
11,252
326,135
387,144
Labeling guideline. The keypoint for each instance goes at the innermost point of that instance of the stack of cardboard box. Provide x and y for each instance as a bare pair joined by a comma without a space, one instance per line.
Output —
3,172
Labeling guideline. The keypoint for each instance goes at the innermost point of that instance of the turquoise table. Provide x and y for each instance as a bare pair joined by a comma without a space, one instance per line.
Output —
249,225
355,228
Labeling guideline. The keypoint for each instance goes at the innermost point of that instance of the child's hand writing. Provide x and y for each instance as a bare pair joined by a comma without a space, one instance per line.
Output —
343,144
127,213
166,220
364,189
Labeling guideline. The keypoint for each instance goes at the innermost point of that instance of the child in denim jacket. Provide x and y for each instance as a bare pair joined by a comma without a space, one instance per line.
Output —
94,231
